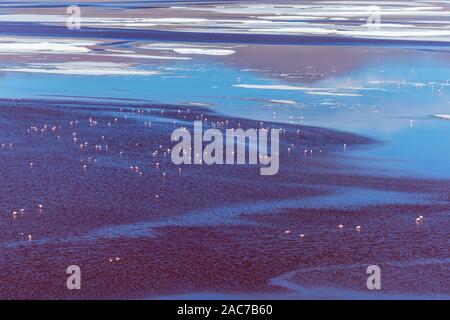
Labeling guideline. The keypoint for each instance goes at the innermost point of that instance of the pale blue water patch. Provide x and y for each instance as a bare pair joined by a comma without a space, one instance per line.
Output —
179,83
394,103
421,150
414,142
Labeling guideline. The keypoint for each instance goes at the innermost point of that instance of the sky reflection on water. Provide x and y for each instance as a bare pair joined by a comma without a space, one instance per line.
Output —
390,99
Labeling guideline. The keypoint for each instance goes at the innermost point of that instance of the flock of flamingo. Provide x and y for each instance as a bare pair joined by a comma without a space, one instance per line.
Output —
157,154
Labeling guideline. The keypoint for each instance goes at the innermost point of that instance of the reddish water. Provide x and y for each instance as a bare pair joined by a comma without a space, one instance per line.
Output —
208,229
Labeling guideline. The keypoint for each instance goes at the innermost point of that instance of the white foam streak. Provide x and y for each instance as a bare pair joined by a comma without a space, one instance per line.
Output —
82,68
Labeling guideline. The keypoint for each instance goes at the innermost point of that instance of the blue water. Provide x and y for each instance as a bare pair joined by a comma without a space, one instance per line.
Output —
394,111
